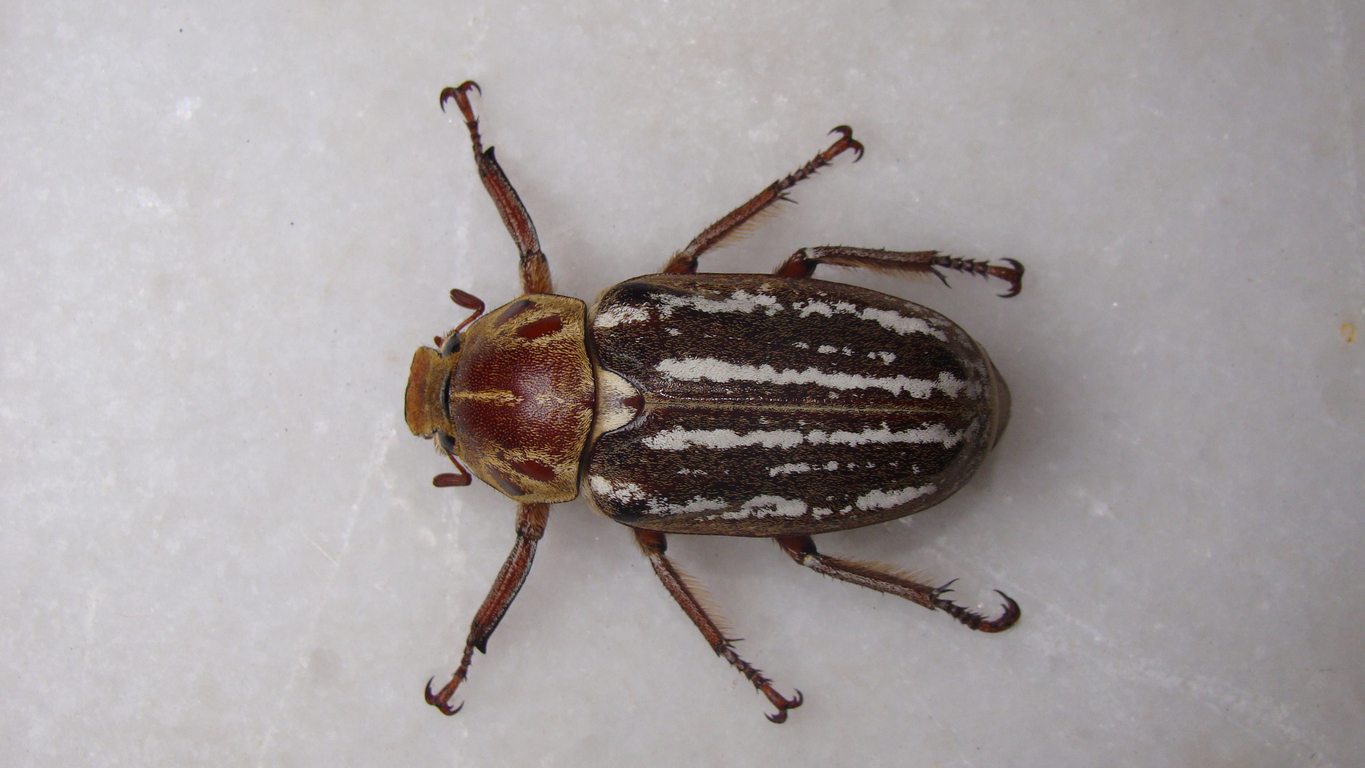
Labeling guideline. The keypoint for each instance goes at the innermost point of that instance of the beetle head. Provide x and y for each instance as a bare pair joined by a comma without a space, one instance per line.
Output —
512,396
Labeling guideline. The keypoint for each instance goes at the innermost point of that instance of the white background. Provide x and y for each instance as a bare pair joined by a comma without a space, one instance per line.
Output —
225,227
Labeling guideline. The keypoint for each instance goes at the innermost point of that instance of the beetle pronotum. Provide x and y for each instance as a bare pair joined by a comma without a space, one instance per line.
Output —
738,405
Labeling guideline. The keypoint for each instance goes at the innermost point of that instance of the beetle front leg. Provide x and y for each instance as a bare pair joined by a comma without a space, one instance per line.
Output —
802,550
683,589
535,270
684,262
803,263
531,520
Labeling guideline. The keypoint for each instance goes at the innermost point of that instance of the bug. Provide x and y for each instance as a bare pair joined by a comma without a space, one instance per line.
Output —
741,405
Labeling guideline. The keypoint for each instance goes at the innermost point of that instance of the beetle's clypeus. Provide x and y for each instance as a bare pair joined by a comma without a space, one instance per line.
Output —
737,405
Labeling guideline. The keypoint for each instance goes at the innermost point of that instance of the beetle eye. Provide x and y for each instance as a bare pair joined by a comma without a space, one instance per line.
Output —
446,442
451,345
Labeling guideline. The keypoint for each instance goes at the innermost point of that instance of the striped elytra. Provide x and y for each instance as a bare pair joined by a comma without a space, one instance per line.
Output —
737,405
770,406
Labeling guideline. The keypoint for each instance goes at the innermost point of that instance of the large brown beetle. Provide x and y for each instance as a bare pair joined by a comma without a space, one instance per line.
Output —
735,405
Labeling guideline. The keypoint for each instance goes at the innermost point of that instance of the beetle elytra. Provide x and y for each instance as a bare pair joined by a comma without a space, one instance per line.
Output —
742,405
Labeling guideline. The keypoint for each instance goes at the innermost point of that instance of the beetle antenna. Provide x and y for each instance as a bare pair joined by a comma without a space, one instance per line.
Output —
452,479
468,302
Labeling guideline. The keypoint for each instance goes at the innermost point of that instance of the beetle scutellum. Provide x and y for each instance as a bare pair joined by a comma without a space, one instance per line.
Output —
735,405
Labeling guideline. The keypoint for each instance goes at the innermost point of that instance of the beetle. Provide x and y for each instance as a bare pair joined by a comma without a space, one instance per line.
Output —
736,405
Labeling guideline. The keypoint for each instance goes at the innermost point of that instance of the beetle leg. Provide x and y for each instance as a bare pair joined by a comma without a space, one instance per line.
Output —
802,550
530,526
685,591
684,262
535,271
803,263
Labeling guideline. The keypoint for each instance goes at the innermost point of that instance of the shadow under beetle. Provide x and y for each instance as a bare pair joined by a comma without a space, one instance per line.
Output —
734,405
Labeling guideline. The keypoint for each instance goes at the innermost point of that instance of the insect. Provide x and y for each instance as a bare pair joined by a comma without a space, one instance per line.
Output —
736,405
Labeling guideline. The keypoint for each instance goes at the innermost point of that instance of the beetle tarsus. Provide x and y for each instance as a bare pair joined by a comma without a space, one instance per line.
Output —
1014,274
940,277
847,142
804,261
975,620
782,706
441,700
726,650
460,94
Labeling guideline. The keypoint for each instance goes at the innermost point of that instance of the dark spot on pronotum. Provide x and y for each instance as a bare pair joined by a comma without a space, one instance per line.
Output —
505,483
542,327
534,470
514,309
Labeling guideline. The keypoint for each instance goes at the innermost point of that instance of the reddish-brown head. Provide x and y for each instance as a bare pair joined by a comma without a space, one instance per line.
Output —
512,396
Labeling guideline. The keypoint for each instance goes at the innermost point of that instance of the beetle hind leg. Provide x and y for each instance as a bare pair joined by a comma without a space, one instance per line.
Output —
688,596
802,550
803,264
684,262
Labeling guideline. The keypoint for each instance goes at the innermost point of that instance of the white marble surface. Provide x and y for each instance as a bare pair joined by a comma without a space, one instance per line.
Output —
225,227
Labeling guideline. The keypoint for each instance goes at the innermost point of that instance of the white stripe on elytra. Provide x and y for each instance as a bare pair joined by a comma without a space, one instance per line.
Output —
789,469
711,369
626,493
621,313
697,504
679,439
739,301
774,506
889,499
892,321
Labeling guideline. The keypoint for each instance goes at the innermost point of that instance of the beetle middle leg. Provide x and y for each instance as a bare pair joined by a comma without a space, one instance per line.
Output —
802,550
531,520
803,263
535,270
684,262
683,589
